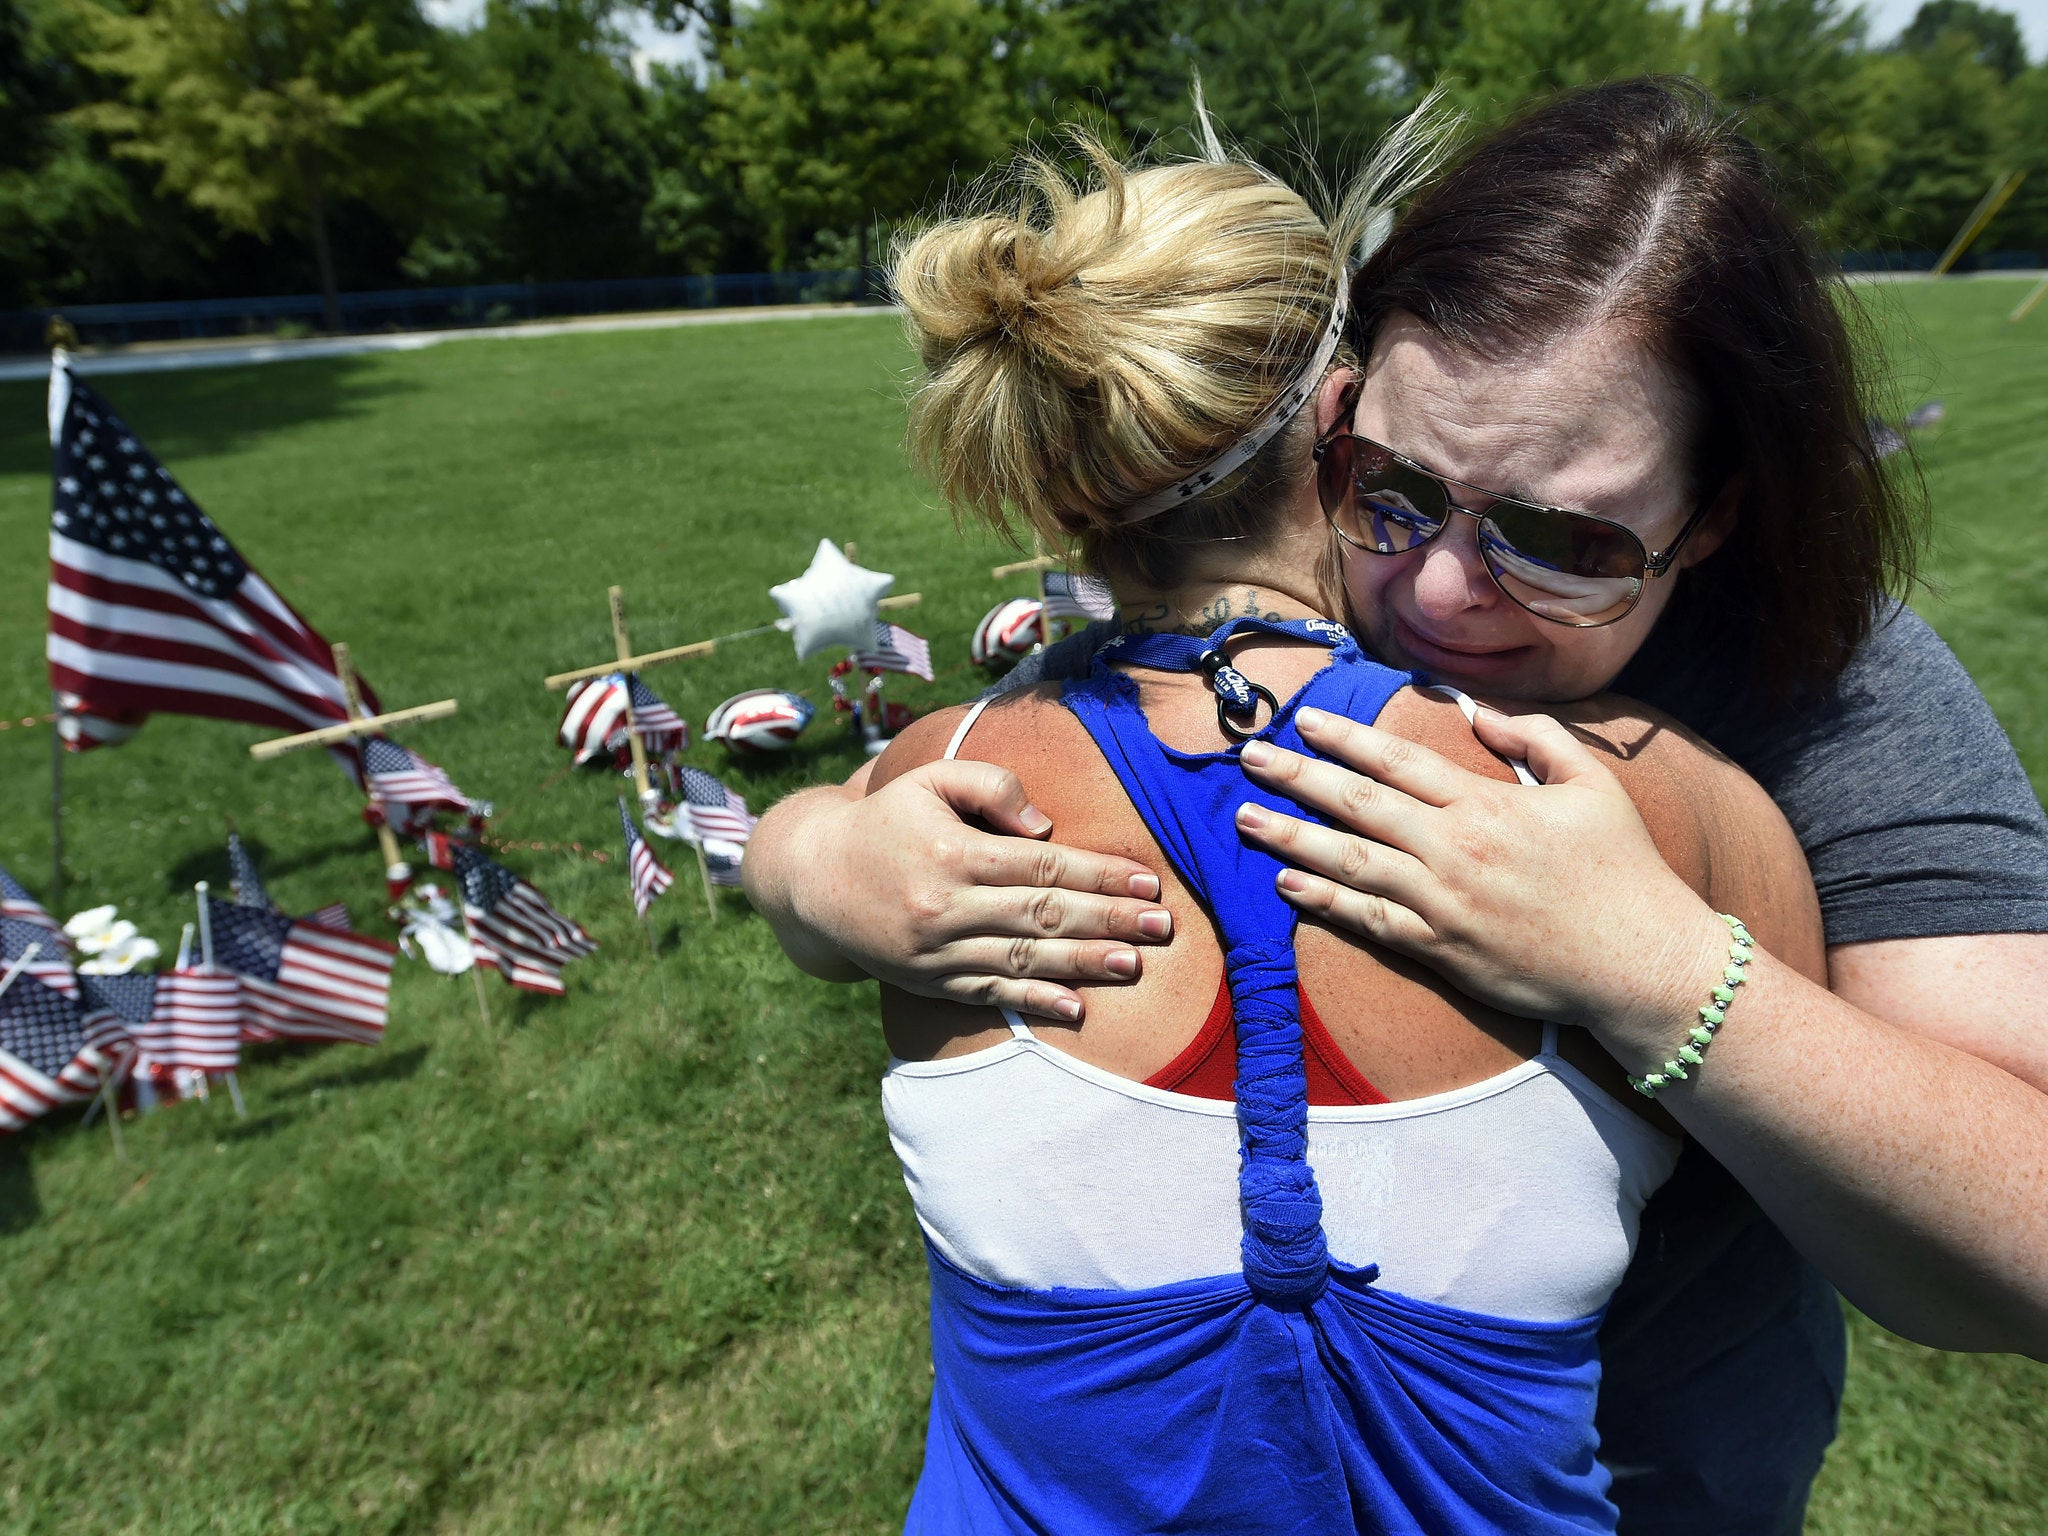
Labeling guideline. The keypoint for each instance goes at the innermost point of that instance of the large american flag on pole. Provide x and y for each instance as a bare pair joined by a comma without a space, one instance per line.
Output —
301,981
896,649
648,876
511,925
44,1058
151,608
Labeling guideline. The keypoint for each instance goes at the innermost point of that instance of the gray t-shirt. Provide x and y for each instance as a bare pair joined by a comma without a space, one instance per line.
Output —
1723,1350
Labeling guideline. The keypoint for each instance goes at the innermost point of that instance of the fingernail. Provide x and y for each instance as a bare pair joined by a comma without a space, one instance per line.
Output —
1491,713
1122,962
1035,820
1156,925
1293,880
1306,720
1145,887
1251,816
1067,1008
1257,753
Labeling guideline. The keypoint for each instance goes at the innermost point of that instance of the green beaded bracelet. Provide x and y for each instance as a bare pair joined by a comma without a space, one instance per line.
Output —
1712,1016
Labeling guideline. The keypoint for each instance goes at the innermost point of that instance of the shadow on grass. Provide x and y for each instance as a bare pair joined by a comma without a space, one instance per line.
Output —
203,410
211,864
385,1067
257,1127
19,1207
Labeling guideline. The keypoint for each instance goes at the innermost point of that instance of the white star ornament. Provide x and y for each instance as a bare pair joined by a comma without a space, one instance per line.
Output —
832,603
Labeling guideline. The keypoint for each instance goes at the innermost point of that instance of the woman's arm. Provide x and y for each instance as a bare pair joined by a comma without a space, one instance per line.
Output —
1913,1173
898,885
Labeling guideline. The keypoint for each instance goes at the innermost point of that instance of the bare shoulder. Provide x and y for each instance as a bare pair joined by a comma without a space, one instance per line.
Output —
1023,731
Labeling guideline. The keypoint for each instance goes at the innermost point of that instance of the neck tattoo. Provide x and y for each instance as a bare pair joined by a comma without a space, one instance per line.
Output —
1163,618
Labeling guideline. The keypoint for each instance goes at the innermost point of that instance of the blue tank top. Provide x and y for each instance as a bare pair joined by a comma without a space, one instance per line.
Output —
1297,1396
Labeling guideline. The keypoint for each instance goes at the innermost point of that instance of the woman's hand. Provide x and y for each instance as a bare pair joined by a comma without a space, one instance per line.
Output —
1550,902
897,886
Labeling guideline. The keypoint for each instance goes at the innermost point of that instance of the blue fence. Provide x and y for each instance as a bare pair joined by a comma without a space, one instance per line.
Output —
423,309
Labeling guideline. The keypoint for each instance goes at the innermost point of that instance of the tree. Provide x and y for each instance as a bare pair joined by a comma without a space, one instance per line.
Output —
270,112
1994,35
1511,50
838,113
1790,66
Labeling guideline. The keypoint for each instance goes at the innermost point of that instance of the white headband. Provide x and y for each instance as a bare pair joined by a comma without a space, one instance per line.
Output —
1261,432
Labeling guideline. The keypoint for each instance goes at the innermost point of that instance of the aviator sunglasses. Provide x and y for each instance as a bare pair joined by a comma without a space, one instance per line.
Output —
1568,567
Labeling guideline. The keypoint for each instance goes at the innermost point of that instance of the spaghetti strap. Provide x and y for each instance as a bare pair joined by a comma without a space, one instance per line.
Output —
1019,1030
1469,708
1549,1038
960,732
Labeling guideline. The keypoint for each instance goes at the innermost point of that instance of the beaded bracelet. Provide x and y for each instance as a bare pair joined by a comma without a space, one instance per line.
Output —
1711,1016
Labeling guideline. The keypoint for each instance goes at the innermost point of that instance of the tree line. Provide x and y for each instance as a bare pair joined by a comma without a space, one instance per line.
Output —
191,148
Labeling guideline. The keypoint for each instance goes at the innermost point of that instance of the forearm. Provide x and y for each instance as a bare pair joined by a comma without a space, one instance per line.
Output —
1913,1175
774,871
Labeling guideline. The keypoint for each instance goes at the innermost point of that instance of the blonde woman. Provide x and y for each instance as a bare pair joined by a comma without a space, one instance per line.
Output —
1283,1236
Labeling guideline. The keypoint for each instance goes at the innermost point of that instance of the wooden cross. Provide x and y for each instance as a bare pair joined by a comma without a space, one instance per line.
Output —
396,870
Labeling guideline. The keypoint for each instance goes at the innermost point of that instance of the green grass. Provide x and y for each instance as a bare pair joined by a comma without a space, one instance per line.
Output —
639,1259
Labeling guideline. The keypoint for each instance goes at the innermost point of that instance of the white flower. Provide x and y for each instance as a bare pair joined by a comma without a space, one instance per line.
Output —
123,955
89,928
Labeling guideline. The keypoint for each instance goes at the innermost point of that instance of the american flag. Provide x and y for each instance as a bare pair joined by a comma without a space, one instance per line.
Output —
1069,595
334,915
24,922
243,879
194,1021
151,608
896,650
660,728
44,1060
722,863
711,811
648,877
408,787
301,981
514,929
114,1007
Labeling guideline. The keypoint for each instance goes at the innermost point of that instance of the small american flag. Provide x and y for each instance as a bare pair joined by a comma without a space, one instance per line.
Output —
406,785
722,863
44,1060
151,608
514,929
1069,595
334,915
194,1021
658,726
896,650
649,878
711,811
243,880
300,981
113,1007
24,922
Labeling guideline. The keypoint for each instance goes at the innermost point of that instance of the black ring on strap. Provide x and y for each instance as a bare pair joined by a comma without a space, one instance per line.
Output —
1230,728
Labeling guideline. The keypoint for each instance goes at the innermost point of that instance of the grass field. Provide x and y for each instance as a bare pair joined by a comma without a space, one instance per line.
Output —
637,1260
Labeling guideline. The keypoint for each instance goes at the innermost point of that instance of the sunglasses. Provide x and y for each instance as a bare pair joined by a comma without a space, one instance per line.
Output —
1568,567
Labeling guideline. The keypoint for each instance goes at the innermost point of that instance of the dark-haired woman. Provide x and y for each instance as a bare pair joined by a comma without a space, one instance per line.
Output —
1894,1133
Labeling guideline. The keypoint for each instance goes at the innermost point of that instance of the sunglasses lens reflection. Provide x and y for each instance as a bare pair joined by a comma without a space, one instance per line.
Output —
1570,570
1391,508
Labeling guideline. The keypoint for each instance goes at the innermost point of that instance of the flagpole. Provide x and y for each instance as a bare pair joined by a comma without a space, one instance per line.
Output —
476,971
206,966
617,595
396,871
113,1112
56,806
704,874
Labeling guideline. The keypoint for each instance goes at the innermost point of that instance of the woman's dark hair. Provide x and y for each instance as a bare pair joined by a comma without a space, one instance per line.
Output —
1642,203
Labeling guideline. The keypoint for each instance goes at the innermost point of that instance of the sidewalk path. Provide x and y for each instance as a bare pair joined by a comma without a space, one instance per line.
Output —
157,357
